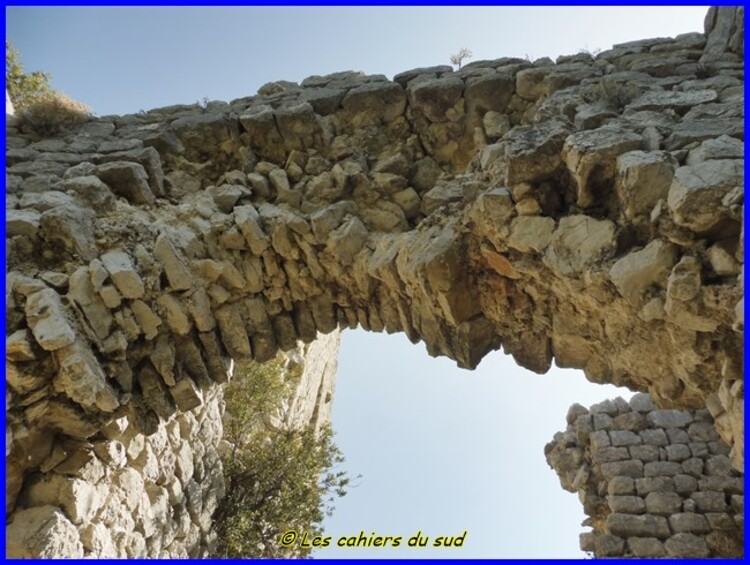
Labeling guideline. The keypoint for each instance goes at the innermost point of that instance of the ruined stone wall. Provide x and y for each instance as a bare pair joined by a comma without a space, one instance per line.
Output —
131,494
653,482
586,210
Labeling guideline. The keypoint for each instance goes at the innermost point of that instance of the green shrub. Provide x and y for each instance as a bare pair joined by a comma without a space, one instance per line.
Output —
277,479
39,109
23,88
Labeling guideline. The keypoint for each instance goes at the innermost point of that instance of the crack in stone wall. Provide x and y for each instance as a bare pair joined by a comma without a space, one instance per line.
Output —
587,210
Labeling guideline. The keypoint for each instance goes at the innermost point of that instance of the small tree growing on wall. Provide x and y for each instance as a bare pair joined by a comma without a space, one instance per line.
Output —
458,58
276,479
40,109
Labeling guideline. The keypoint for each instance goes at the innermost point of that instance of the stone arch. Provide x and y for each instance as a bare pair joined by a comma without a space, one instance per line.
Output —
464,209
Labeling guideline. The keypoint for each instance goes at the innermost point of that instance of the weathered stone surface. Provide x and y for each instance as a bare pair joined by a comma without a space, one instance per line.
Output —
48,321
669,418
533,152
82,379
686,545
646,547
591,157
177,272
579,242
124,275
437,98
642,178
639,270
22,222
531,233
644,525
71,228
81,290
42,532
126,179
696,193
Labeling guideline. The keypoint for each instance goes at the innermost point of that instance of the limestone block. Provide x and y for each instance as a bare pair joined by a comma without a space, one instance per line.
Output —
686,545
190,358
689,522
591,157
405,77
47,319
91,190
22,222
679,101
531,233
642,179
79,499
533,152
624,438
123,273
71,227
374,103
626,468
233,333
174,314
646,547
155,392
669,418
696,193
530,83
436,97
489,92
636,272
645,452
262,132
645,525
126,179
178,274
226,195
663,503
662,469
621,486
607,545
626,504
722,147
186,395
97,540
409,201
147,319
384,216
347,240
42,532
298,124
578,243
82,379
678,452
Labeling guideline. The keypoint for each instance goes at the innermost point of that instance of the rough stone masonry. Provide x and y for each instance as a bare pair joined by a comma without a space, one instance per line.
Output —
586,210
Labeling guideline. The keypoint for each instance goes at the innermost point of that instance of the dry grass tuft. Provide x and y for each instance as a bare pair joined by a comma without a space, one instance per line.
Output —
51,114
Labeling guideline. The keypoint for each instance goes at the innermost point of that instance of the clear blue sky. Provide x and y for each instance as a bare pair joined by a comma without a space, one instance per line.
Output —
441,450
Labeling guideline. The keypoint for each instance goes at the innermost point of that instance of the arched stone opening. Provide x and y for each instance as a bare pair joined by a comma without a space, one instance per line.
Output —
507,205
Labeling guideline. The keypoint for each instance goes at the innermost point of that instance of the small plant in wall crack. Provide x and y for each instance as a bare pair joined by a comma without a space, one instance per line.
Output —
458,58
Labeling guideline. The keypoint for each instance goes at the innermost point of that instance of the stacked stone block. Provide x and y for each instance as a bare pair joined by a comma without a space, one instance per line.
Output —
654,482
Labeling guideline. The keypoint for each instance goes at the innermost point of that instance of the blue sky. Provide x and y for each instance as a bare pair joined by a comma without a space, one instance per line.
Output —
441,450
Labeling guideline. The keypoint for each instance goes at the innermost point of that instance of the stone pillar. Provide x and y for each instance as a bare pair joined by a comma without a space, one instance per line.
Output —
653,483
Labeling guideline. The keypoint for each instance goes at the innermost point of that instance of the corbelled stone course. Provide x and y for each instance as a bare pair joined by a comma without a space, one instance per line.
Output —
587,211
